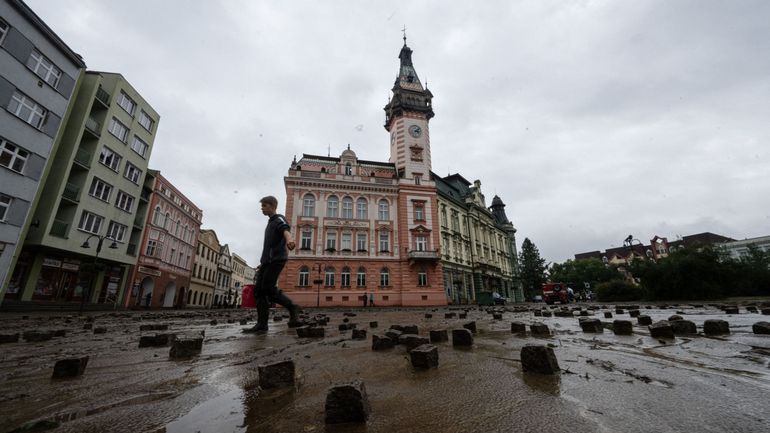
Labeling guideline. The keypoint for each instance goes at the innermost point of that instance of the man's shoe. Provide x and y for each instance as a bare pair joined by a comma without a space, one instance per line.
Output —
256,329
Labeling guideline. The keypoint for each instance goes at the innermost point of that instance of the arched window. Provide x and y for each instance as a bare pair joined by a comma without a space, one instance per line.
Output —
348,169
384,210
304,276
361,277
157,218
345,277
329,277
178,230
332,207
167,222
384,277
308,205
347,207
361,209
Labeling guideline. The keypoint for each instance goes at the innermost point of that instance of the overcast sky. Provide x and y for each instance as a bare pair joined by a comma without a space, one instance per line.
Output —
592,120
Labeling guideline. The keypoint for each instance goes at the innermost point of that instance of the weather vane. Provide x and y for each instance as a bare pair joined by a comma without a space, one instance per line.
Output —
404,31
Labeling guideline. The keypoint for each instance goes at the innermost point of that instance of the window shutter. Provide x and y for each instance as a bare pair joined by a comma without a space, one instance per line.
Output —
19,46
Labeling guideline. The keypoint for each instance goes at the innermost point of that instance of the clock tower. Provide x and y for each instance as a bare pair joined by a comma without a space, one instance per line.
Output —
406,119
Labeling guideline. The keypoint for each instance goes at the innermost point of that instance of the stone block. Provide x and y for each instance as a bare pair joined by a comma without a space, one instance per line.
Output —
343,327
382,343
497,316
622,327
449,315
428,316
661,329
674,317
373,324
100,330
424,356
766,311
243,322
539,359
471,326
607,315
438,336
359,334
36,336
463,315
518,327
276,318
538,328
349,314
716,327
88,326
644,320
9,338
731,310
276,375
761,328
683,327
585,313
347,403
538,313
71,367
156,327
410,329
591,325
393,334
410,341
186,347
619,311
634,313
157,340
462,337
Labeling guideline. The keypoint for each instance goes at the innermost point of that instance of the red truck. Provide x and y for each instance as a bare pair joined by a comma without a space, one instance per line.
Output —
553,292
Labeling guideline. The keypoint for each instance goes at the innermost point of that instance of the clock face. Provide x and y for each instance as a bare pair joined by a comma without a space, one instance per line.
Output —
415,131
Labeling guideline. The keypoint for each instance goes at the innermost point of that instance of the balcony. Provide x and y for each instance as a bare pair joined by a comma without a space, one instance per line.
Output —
83,158
139,222
145,195
93,127
424,256
103,97
59,228
131,250
71,193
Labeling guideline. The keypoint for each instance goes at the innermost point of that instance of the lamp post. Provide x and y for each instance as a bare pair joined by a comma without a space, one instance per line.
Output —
112,246
318,282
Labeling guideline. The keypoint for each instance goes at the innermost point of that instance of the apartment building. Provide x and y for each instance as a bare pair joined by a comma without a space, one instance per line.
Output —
204,275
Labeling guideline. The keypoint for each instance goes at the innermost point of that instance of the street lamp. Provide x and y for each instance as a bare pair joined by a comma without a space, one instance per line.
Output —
318,282
112,246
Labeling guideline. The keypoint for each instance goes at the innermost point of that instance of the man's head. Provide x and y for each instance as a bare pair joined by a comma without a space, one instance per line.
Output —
269,205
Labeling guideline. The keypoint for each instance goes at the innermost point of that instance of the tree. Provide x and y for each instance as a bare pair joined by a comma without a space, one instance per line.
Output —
532,269
578,272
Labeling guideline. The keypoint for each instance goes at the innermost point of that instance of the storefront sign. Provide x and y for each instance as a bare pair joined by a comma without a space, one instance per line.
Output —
71,265
53,263
149,271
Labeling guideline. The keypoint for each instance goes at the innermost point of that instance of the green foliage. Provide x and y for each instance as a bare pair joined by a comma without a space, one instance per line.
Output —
618,290
532,269
577,272
752,273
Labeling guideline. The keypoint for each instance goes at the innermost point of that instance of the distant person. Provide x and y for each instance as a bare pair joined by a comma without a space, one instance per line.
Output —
366,299
570,294
147,299
371,299
274,256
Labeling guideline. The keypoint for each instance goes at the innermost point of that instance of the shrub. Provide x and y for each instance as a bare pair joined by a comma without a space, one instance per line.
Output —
618,290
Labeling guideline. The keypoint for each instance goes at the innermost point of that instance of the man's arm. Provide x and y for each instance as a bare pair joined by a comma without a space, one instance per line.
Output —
289,240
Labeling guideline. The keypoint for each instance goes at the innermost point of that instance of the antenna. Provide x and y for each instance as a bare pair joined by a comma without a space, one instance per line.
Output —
329,150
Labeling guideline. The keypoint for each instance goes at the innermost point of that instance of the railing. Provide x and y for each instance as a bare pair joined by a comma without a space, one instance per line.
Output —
83,157
314,174
71,192
383,180
424,255
93,126
59,228
103,96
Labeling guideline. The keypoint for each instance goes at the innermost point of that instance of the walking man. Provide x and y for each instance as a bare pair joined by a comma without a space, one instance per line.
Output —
274,256
366,299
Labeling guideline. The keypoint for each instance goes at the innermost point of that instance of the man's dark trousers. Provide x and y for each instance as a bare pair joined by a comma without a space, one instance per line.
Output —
267,291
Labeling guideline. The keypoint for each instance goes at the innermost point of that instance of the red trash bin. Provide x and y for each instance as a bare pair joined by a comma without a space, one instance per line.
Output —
247,297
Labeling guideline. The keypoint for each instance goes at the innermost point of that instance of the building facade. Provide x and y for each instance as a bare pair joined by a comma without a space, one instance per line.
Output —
478,244
223,290
95,196
365,227
39,76
739,249
204,274
164,268
240,277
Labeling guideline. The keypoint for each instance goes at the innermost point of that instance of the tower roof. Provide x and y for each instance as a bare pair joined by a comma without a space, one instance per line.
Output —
408,92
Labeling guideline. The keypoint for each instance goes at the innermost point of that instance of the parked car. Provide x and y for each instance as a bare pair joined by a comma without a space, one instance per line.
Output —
499,300
555,292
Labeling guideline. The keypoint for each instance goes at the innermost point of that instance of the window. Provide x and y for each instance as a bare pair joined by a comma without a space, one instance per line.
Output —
304,276
347,241
329,277
3,30
100,189
419,212
110,158
132,173
347,207
116,231
157,218
124,201
305,240
422,277
146,121
384,277
308,205
361,277
421,242
331,241
361,241
152,248
332,207
139,147
443,216
12,156
119,130
345,277
348,169
384,242
26,109
126,103
90,222
361,209
5,203
417,179
44,68
384,210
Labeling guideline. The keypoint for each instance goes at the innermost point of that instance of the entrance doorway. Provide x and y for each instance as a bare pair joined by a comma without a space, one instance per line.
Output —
145,294
168,299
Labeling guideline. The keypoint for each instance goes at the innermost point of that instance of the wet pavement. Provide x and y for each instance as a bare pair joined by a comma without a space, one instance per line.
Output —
608,383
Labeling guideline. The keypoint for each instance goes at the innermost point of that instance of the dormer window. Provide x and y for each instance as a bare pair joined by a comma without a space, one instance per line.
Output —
348,169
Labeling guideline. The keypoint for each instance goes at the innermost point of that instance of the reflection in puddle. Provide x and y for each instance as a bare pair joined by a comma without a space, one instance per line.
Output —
545,383
219,414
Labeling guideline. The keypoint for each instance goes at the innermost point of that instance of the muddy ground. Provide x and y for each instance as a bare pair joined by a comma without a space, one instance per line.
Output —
608,383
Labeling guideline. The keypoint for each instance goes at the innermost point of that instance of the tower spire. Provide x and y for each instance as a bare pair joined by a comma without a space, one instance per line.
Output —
404,31
408,92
